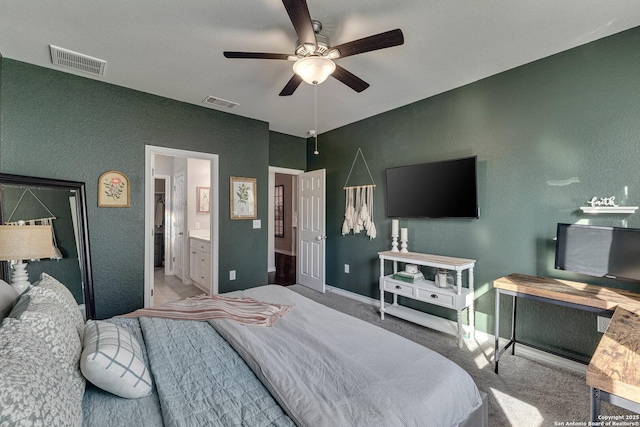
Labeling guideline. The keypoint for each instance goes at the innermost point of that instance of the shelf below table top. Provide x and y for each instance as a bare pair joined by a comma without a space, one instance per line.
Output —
428,285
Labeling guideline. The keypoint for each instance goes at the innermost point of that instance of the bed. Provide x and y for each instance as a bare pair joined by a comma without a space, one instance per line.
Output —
313,367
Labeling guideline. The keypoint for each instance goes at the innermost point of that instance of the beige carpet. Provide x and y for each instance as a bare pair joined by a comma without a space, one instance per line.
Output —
526,393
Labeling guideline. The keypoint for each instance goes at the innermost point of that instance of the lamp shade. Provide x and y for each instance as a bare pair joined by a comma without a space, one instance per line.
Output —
314,69
25,242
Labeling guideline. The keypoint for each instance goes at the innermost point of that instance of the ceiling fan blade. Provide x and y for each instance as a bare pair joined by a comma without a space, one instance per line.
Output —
351,80
255,55
291,86
301,19
367,44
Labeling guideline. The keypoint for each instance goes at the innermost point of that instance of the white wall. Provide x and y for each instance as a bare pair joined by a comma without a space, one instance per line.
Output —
198,175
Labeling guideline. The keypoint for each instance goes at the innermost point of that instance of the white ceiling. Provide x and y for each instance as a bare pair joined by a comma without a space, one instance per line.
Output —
174,48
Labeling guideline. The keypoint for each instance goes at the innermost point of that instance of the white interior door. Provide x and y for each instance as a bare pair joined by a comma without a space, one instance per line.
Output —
312,229
177,228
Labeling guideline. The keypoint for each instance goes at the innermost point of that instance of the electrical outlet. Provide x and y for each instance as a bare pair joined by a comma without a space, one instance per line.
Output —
346,268
603,323
232,275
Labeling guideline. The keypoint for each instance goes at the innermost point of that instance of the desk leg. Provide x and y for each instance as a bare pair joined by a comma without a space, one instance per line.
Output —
595,404
472,311
513,325
496,353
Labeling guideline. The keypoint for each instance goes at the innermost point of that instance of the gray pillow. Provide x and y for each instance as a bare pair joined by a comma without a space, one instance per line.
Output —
8,295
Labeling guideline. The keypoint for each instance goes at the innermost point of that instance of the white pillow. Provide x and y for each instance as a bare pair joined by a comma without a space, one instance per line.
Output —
8,295
112,360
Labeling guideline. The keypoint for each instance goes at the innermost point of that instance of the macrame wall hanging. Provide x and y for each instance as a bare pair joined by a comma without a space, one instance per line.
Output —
358,215
47,220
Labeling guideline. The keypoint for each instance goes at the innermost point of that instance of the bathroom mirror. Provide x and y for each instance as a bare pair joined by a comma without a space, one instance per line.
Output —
63,205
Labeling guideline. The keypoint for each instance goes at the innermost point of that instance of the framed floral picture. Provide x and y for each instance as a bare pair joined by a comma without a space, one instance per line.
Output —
243,198
113,190
203,200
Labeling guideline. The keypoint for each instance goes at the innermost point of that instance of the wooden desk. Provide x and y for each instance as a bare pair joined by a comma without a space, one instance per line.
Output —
613,374
614,371
555,291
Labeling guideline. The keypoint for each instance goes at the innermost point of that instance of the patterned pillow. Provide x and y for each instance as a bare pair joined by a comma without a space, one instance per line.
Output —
50,297
55,329
62,294
112,359
34,388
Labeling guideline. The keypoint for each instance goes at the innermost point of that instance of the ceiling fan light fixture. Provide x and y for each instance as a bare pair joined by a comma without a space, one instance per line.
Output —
314,69
333,54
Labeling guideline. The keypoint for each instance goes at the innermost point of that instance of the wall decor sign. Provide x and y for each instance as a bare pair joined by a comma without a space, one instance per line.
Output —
243,198
113,190
203,199
603,201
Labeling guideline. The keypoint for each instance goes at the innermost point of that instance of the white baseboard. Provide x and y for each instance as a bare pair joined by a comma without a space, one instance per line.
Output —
523,350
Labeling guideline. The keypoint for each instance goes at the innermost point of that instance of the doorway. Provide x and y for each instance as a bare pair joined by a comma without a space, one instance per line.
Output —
161,223
283,225
186,174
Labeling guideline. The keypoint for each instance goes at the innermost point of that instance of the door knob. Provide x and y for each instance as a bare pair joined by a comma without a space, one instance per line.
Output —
321,237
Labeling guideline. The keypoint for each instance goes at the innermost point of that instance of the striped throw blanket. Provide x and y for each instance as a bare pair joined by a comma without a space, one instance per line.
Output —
207,307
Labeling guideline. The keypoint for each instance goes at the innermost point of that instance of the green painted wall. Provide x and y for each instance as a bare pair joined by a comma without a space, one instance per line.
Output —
58,125
574,114
287,151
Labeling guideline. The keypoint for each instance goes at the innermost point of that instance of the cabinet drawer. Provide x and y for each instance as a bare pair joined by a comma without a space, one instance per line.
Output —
436,297
398,288
200,245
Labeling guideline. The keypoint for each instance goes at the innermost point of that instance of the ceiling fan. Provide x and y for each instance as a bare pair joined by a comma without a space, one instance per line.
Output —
314,56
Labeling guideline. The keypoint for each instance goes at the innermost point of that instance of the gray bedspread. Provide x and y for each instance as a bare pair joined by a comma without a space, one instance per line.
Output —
199,380
330,369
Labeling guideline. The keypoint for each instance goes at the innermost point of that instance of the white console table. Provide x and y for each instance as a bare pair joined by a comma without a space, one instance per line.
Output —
457,298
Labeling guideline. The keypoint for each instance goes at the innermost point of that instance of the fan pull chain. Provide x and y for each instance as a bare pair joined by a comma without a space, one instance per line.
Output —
315,117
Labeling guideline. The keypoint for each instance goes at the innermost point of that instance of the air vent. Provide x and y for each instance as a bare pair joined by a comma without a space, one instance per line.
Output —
77,61
219,102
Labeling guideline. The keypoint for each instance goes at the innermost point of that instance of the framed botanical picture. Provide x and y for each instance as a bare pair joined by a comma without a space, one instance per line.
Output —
203,199
113,190
243,198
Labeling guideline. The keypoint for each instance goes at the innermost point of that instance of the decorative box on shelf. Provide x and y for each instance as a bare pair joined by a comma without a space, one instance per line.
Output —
405,276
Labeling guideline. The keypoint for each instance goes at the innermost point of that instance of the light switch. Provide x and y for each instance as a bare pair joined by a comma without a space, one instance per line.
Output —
257,223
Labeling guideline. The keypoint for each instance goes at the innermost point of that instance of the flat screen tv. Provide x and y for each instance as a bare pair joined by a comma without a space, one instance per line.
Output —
599,251
444,189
